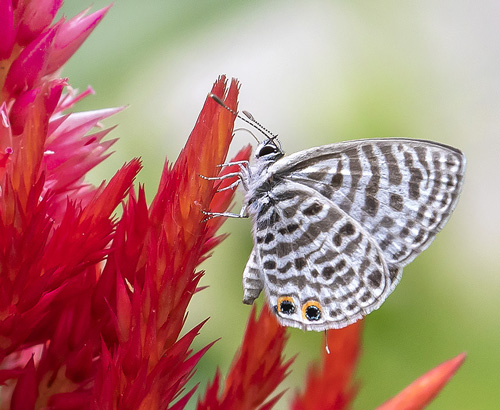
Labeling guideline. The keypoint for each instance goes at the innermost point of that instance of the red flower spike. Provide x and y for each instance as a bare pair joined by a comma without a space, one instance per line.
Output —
257,369
153,258
331,387
421,392
25,393
183,195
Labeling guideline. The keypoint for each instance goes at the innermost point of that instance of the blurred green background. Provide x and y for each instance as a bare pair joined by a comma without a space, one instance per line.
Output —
317,72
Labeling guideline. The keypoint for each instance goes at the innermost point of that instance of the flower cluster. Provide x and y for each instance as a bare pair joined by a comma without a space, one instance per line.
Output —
92,305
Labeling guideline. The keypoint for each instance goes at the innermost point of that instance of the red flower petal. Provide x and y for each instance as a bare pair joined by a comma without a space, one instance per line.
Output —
29,67
37,16
150,278
7,32
421,392
26,392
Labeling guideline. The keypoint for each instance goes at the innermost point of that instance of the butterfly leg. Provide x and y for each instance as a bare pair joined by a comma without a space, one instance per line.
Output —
211,215
243,163
243,175
230,186
252,281
221,177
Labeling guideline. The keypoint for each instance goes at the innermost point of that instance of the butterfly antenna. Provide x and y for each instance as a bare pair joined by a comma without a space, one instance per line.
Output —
249,118
250,132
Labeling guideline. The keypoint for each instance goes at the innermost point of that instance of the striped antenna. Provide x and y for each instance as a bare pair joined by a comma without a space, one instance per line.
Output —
249,120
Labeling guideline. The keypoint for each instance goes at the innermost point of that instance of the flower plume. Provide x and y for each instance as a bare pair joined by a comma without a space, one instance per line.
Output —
93,302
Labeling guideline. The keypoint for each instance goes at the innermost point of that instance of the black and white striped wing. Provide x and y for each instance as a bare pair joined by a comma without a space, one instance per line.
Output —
402,191
319,268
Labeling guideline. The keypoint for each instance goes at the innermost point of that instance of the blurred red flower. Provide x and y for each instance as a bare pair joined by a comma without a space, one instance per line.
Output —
92,305
331,386
421,392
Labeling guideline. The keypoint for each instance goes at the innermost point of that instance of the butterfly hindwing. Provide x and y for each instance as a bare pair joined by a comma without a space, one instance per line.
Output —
319,267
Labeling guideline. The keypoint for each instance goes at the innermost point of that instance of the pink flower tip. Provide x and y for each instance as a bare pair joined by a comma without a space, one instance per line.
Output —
71,36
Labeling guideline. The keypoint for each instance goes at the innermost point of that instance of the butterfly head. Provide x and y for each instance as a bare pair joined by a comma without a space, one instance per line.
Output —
269,150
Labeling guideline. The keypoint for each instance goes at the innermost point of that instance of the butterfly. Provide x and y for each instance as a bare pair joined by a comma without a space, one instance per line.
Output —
333,226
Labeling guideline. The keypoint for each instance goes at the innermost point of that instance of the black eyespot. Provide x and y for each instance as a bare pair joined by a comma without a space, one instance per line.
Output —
312,311
267,149
286,305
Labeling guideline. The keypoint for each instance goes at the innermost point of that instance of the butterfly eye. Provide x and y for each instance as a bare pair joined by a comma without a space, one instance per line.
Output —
286,305
266,150
311,310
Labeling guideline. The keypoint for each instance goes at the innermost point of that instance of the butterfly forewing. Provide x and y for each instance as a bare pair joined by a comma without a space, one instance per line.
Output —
401,191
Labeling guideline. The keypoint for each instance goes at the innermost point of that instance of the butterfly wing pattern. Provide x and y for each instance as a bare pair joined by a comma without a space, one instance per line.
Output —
333,226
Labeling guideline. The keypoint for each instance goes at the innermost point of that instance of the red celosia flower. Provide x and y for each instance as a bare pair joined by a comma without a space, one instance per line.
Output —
421,392
90,324
257,369
92,306
46,240
152,271
54,228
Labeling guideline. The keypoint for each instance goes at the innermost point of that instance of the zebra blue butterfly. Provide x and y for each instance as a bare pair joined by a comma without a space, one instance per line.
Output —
333,226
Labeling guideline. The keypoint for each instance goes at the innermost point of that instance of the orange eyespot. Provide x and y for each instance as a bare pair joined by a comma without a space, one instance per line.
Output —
286,305
311,311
